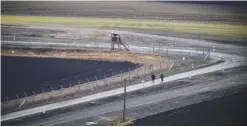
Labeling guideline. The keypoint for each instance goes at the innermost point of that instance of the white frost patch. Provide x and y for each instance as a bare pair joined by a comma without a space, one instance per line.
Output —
91,123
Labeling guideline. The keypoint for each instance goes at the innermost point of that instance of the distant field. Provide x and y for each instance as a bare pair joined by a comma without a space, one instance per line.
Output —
195,27
227,19
224,11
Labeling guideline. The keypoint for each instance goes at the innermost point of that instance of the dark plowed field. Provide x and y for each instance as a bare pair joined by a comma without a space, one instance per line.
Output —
226,111
230,12
24,74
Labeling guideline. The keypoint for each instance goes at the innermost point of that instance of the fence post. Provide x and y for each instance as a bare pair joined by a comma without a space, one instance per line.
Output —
209,52
51,92
25,94
137,71
61,89
183,58
105,82
171,66
129,73
121,75
74,42
17,97
88,84
7,99
96,80
33,95
70,87
150,68
43,93
222,67
79,84
113,75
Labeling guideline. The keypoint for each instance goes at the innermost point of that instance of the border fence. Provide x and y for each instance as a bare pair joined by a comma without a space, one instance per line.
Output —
190,58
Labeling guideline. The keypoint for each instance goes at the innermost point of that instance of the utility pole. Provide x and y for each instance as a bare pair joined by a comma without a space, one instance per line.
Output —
124,106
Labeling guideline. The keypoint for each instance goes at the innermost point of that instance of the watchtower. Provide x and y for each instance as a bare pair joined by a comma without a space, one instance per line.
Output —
116,39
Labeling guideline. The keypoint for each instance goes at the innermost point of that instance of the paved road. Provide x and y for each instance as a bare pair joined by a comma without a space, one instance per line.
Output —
130,37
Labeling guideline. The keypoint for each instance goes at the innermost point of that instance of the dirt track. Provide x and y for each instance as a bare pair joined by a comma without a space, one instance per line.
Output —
87,55
223,12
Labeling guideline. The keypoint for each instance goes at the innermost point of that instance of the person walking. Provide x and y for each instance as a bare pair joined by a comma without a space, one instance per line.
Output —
153,77
162,77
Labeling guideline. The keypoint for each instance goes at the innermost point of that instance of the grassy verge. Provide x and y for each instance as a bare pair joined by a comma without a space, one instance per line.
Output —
194,27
